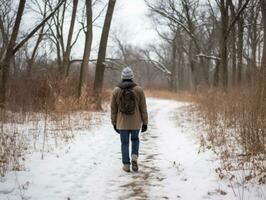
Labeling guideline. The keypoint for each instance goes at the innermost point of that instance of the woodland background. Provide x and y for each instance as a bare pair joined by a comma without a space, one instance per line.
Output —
213,52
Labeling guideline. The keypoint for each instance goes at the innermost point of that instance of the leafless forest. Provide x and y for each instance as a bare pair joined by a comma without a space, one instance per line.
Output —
210,52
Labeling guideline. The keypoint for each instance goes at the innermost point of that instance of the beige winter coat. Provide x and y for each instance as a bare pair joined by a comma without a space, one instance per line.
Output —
129,122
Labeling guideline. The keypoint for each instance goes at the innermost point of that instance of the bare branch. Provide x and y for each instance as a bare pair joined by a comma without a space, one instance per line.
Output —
20,44
100,13
236,17
209,57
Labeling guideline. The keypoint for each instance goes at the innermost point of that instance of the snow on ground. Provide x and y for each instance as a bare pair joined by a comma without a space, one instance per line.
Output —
90,167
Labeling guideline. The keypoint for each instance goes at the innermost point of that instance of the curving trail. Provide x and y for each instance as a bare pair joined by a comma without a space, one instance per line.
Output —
90,167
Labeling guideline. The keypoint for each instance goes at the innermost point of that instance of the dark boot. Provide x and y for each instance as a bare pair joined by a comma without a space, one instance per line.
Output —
135,167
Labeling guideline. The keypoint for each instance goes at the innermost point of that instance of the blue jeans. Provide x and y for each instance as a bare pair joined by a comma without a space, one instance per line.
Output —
124,136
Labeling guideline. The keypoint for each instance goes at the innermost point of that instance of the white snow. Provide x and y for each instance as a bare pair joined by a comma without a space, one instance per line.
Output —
90,166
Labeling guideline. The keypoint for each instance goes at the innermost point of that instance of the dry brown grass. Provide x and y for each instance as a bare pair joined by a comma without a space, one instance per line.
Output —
164,94
42,91
46,104
49,90
236,129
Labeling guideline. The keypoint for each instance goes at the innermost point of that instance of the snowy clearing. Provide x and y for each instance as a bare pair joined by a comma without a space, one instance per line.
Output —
90,167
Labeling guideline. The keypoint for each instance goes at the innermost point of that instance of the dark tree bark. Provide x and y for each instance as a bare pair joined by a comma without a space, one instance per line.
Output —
233,46
87,50
234,66
216,74
263,61
223,44
34,52
100,66
173,81
180,71
5,65
4,37
253,39
240,25
67,51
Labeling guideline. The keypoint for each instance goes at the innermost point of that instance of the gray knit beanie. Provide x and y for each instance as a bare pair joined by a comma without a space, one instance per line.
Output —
127,73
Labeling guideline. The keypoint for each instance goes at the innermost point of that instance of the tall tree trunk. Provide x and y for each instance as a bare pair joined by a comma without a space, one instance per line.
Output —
216,74
67,51
263,61
233,47
5,65
254,42
223,44
59,26
240,24
4,38
100,66
253,67
179,72
194,79
87,50
204,71
233,56
58,53
173,74
34,52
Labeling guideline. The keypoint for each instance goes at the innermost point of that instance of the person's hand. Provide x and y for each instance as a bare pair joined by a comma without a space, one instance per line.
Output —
144,128
116,129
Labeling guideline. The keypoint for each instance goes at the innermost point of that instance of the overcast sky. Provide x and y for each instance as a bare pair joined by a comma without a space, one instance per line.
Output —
131,15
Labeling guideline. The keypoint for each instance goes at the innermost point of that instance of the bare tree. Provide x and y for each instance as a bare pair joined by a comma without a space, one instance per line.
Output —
174,66
12,47
263,60
253,28
201,32
224,5
56,28
38,42
100,66
66,54
240,26
6,22
233,46
5,64
22,42
182,17
87,49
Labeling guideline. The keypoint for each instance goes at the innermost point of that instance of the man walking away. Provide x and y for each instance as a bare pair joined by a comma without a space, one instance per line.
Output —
129,115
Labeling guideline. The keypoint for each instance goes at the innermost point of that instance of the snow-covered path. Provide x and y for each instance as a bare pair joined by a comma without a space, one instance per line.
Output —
90,167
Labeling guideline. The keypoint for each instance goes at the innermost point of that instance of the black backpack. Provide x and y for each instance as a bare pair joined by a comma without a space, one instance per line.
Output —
127,101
